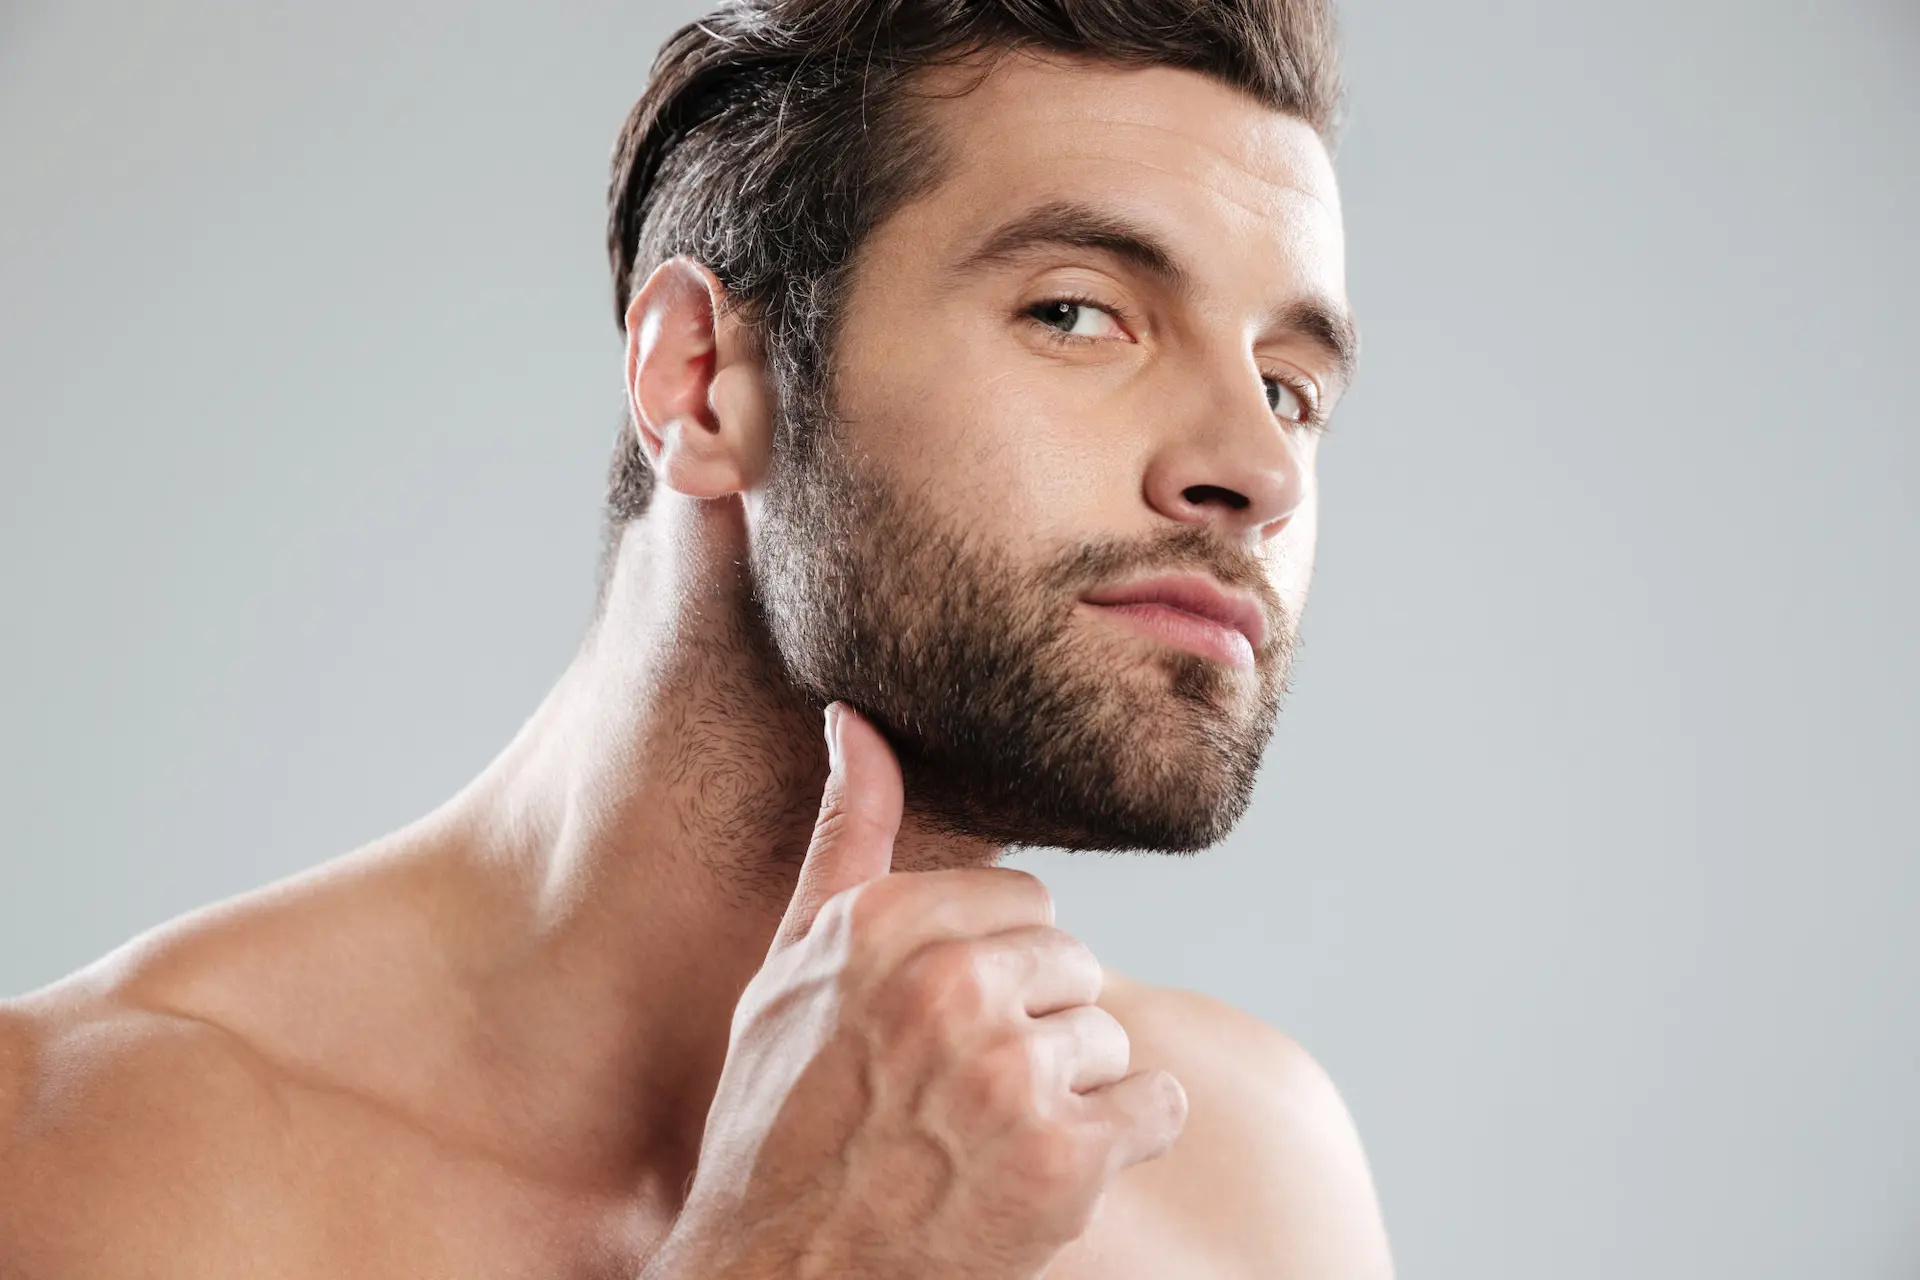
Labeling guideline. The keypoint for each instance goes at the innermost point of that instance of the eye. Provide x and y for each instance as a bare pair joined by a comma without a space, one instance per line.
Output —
1291,400
1076,318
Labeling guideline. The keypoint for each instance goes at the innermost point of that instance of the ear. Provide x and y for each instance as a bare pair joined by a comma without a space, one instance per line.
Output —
696,384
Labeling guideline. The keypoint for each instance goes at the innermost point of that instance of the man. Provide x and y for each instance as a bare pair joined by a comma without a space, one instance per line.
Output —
976,358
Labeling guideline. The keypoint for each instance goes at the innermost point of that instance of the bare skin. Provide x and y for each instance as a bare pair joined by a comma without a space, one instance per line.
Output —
489,1044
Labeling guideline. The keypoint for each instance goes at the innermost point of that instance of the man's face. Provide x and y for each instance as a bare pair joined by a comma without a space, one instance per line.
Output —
1057,526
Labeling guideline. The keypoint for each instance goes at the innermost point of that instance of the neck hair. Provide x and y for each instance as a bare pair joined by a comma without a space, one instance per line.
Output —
675,739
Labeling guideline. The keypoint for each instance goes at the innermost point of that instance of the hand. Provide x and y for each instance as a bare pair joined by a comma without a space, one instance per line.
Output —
918,1082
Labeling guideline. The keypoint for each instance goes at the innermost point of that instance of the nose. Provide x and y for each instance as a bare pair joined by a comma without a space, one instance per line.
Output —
1240,469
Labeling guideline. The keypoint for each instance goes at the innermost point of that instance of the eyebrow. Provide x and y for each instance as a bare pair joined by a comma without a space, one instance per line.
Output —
1076,224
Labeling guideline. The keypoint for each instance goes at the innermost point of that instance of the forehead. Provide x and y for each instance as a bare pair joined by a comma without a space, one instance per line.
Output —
1245,193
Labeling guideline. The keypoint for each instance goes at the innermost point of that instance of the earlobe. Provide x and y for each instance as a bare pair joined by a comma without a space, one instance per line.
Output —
696,384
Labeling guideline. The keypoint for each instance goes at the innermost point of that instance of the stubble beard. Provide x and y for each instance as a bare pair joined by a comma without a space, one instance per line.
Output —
1012,723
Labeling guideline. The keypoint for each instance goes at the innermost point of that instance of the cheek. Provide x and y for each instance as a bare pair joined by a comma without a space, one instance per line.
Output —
1289,553
993,436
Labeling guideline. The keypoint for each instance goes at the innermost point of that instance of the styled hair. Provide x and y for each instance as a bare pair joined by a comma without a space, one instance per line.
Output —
775,135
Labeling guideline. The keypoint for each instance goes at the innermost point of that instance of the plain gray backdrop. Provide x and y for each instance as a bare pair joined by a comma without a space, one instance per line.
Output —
1585,859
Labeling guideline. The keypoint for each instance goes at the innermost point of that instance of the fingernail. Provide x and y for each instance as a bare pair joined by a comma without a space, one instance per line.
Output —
833,737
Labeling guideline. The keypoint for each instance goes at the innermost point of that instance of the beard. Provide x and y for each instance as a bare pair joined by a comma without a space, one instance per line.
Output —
1013,721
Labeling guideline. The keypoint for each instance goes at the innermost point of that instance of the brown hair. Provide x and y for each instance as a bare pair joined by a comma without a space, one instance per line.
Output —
775,135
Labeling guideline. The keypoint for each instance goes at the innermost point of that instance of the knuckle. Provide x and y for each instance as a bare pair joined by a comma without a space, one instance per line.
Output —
1072,954
844,822
1001,1080
1172,1099
1102,1025
831,826
869,907
1034,887
835,911
860,807
885,894
858,906
943,982
1095,1037
1161,1112
834,924
1054,1166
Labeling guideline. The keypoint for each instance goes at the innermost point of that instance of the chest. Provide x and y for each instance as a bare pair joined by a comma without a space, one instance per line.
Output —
366,1194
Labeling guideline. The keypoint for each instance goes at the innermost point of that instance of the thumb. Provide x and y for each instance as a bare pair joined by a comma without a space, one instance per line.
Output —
859,817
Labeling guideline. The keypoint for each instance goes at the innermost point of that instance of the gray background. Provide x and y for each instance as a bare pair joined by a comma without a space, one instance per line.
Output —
1585,858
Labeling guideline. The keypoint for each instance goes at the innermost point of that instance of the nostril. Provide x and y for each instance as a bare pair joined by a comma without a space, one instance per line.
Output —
1201,494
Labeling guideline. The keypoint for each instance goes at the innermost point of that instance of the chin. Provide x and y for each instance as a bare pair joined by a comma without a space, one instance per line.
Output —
1146,755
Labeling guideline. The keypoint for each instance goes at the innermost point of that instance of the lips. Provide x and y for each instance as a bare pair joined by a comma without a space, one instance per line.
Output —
1190,610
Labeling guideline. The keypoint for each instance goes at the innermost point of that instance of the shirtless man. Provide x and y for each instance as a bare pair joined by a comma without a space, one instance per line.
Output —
695,980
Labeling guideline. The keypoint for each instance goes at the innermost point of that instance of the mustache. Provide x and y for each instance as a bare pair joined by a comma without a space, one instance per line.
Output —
1188,549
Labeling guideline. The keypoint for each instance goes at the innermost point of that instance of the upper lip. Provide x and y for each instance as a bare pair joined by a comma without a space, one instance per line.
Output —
1193,593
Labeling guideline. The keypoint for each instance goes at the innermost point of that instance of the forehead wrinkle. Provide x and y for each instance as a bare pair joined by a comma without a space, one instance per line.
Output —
1265,213
990,164
1278,207
1244,163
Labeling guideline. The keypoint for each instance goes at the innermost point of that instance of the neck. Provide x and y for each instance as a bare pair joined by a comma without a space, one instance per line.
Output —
639,839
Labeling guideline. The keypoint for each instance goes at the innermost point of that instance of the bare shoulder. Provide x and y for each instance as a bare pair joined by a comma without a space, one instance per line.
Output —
114,1120
1269,1176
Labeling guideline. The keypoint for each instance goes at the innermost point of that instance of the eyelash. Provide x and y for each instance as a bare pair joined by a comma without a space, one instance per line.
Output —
1303,391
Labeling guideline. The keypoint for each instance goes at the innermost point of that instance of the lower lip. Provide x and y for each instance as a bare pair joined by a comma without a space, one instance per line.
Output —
1183,630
